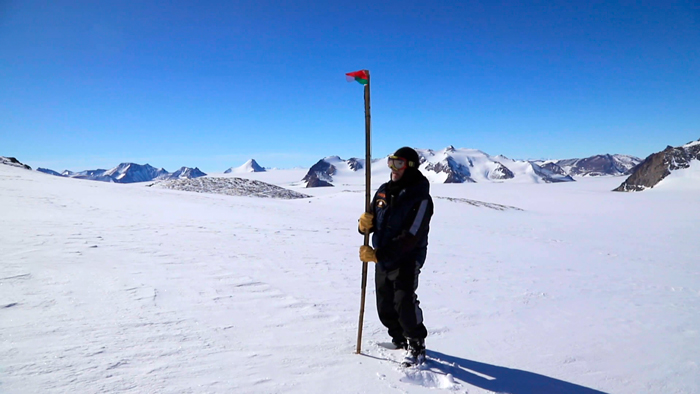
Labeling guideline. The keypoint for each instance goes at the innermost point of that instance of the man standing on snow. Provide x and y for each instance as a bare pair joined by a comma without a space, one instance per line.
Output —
400,219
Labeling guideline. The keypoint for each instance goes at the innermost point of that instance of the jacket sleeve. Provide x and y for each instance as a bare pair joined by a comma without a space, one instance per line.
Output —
415,227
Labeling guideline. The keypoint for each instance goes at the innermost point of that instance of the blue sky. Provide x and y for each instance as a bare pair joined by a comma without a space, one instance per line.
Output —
87,84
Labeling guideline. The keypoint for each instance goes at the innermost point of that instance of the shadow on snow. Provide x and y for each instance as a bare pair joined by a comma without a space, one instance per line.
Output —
501,379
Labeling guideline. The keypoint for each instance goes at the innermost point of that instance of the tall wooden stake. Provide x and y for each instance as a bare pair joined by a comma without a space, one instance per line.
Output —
368,208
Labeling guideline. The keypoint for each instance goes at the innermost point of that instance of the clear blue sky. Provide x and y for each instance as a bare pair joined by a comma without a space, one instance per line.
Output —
90,84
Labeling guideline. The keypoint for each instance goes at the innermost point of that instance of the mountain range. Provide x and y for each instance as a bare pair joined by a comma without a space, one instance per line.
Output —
452,165
129,173
598,165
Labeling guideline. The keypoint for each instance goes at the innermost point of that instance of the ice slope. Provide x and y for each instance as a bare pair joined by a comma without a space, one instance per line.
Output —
128,289
683,178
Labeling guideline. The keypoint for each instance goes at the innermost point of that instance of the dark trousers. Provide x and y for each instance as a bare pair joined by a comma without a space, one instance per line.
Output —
397,302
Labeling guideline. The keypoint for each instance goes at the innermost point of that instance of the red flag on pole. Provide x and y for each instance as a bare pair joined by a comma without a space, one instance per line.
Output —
359,76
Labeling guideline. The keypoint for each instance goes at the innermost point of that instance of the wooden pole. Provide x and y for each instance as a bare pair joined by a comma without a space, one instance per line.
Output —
368,208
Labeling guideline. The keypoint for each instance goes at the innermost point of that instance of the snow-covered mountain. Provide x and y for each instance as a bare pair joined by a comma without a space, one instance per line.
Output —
249,166
449,165
11,161
597,165
452,165
322,173
48,171
130,173
186,173
660,165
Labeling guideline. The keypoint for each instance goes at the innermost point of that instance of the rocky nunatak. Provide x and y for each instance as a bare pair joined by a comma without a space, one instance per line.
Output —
659,165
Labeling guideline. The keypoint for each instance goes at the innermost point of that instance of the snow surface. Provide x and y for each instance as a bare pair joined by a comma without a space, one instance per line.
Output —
683,178
123,288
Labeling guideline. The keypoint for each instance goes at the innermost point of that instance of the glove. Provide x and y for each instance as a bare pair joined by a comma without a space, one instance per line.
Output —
367,254
365,223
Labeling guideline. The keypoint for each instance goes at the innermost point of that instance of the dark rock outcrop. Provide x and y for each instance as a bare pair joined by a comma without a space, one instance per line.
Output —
659,165
321,171
354,164
313,181
501,172
231,187
11,161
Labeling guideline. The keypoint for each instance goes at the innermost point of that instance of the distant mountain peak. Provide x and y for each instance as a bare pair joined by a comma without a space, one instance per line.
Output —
321,174
249,166
187,173
48,171
598,165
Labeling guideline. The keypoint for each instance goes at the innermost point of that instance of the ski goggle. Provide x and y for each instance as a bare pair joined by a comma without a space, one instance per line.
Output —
397,163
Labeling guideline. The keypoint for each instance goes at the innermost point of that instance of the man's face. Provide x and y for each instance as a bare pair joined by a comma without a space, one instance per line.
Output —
398,167
397,174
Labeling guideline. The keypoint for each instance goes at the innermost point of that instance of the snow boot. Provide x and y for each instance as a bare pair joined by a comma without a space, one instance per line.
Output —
415,354
400,343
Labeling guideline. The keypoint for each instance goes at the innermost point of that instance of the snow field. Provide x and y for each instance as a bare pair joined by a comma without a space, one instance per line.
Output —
124,288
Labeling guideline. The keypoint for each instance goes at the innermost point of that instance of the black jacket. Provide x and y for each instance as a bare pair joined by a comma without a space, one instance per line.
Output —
402,215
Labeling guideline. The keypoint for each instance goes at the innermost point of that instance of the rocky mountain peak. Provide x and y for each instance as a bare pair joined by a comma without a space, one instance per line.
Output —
11,161
659,165
456,172
321,173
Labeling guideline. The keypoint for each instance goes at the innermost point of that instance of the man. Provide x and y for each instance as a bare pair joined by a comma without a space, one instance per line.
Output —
400,217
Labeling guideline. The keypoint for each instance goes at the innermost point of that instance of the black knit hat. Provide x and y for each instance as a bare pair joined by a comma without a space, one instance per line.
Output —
410,155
